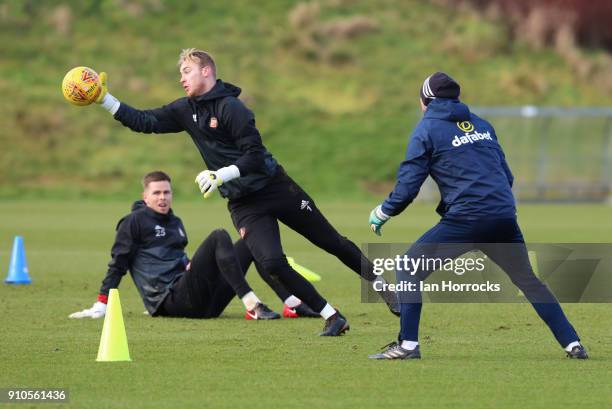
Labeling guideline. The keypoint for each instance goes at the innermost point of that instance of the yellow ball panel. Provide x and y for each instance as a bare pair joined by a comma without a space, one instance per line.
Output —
81,86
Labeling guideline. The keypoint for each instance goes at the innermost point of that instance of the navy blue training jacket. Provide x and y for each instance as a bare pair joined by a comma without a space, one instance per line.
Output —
461,153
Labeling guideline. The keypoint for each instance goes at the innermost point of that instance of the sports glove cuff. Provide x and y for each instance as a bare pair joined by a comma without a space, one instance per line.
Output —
228,173
380,214
110,103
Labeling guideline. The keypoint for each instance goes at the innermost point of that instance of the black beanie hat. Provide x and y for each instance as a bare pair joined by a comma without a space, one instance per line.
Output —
439,85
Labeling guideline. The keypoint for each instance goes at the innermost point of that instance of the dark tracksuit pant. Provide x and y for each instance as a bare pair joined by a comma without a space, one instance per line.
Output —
256,218
513,259
246,258
215,277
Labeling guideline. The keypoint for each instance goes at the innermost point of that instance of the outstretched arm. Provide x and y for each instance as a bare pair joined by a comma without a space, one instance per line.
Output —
412,173
159,120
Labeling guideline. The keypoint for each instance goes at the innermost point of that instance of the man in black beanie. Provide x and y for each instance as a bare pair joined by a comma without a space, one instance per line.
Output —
461,153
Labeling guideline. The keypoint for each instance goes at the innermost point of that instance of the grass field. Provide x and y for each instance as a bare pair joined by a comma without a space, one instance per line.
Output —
474,355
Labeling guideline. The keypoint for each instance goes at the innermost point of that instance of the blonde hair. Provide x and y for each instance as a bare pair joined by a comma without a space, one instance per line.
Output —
202,58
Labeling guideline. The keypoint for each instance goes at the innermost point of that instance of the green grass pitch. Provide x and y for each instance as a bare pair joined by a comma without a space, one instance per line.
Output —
474,355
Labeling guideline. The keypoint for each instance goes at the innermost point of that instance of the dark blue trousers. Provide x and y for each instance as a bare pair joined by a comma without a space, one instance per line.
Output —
513,259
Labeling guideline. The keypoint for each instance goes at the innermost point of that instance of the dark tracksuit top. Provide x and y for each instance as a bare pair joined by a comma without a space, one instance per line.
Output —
152,247
461,153
222,128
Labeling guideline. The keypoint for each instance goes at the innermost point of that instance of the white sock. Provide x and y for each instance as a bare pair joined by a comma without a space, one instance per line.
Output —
571,345
409,345
292,301
250,300
327,311
110,103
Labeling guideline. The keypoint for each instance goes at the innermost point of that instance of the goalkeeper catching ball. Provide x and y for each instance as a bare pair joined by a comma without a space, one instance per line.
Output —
259,191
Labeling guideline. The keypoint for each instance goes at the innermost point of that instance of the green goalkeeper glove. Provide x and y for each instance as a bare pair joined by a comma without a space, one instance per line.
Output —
377,219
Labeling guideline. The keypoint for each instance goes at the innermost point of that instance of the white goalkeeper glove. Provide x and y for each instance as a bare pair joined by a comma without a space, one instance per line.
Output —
98,310
208,180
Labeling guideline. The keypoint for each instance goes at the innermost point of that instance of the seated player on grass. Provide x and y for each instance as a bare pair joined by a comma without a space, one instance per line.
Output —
150,242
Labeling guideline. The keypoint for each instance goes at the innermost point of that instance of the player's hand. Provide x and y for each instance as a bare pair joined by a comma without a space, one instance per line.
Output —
377,219
209,180
104,86
98,310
